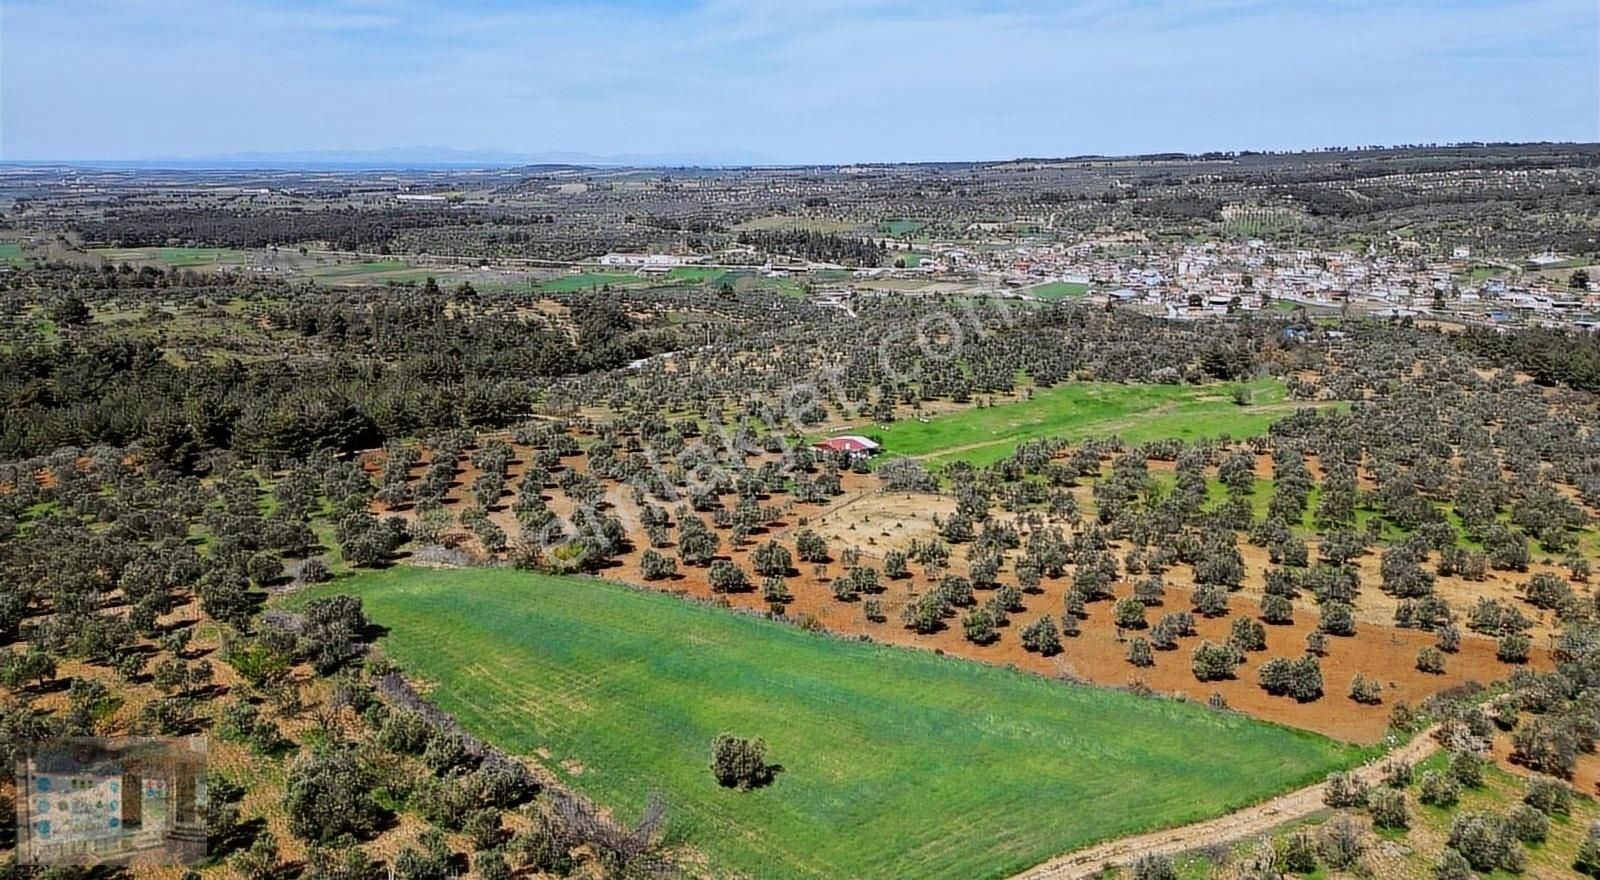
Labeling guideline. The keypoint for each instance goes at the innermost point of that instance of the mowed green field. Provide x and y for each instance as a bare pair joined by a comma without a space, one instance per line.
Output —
1056,290
570,283
175,257
1079,410
354,270
11,253
895,762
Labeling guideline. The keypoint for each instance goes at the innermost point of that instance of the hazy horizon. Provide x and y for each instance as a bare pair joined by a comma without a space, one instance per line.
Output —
736,82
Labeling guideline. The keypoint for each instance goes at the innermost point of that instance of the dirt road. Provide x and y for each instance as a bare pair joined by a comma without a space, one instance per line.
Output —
1246,823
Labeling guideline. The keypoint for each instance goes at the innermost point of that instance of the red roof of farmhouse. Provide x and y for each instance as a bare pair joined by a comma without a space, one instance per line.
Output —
850,443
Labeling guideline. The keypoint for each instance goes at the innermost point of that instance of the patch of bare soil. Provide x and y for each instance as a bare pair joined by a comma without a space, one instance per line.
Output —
875,522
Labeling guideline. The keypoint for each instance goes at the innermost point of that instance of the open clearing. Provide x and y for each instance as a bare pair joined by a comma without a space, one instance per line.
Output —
175,257
895,762
570,283
1077,410
1058,290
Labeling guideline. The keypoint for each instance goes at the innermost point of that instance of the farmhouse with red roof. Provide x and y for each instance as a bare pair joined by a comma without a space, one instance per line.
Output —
854,444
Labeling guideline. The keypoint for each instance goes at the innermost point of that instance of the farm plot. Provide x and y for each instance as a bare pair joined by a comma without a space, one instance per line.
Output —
174,257
894,762
1057,290
1137,413
571,283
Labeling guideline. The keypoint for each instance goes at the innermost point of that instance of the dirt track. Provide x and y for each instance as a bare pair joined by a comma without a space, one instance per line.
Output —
1246,823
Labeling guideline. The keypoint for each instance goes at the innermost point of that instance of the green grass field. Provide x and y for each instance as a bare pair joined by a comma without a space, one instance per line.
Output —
896,763
900,227
11,253
1079,410
570,283
354,270
696,274
175,257
1058,290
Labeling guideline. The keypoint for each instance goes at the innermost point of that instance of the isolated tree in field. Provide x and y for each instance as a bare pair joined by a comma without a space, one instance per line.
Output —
1213,662
771,558
1317,643
1040,637
1248,635
1549,592
979,627
775,591
726,577
810,546
1430,660
1139,653
1447,638
1365,690
741,763
654,567
1128,614
894,565
1398,774
1276,676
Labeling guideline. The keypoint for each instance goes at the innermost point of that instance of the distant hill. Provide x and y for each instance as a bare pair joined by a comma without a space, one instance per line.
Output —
420,157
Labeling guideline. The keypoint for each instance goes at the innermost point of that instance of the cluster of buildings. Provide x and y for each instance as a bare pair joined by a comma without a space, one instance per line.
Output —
1198,279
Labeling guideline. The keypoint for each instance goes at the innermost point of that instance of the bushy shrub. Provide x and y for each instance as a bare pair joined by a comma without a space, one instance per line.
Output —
1438,789
1154,866
1366,691
1040,637
1550,796
1487,841
1342,789
1214,662
1388,809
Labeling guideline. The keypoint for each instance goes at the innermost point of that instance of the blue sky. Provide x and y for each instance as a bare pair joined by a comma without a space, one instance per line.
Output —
787,80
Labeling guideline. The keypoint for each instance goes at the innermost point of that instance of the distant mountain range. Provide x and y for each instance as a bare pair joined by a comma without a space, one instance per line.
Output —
421,157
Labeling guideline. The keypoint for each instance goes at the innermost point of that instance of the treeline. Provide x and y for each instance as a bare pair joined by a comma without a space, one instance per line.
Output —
377,371
344,229
813,245
1550,356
